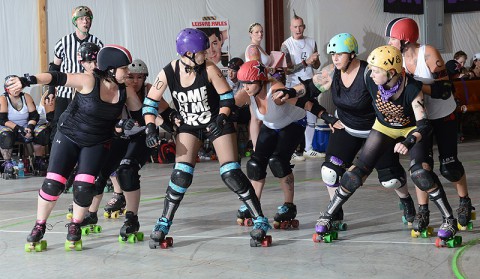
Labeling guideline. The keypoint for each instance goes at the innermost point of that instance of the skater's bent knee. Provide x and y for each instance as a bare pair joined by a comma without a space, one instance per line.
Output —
83,193
51,189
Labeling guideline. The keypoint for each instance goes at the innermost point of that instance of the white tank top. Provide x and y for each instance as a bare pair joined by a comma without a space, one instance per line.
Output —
299,50
19,117
277,117
265,58
436,108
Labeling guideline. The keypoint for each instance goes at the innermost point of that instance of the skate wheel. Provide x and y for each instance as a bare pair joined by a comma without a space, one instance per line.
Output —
140,236
414,233
267,241
295,223
69,216
132,238
473,216
342,226
316,238
240,221
85,231
248,222
152,244
169,241
438,242
106,214
327,238
164,244
115,214
276,225
253,243
470,226
97,229
404,220
73,245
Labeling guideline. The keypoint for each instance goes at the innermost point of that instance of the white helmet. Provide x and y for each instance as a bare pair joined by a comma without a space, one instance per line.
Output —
476,56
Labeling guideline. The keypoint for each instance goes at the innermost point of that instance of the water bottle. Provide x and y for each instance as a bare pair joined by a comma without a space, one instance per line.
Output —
21,168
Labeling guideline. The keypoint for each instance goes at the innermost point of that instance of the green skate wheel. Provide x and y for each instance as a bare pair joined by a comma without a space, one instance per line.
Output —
120,239
73,245
38,247
327,238
470,226
28,247
97,229
132,238
44,244
140,236
451,243
342,226
335,235
106,214
85,230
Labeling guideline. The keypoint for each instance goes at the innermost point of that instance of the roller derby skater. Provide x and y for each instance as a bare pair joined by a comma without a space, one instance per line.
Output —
88,144
202,76
285,217
426,64
34,240
8,170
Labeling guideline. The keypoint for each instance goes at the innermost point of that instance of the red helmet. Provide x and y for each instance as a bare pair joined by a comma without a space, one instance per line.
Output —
403,28
252,71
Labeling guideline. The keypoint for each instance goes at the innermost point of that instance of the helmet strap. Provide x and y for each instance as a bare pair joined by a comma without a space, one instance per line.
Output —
188,68
111,75
350,59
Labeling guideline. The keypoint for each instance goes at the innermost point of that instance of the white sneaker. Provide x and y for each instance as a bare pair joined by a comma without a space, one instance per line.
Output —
297,158
312,154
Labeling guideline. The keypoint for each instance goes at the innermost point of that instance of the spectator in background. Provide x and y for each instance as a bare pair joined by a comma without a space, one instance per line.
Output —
475,68
456,66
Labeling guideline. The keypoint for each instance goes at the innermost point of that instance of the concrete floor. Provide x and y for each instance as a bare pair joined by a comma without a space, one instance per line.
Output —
209,244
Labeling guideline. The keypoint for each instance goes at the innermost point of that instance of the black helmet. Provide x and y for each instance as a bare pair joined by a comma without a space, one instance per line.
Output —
235,63
112,57
87,52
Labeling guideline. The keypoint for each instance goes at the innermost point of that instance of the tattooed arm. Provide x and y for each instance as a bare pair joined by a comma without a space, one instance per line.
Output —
323,80
436,65
154,96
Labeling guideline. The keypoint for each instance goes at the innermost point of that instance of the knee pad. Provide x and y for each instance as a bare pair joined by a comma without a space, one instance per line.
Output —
100,183
51,189
42,137
332,169
7,139
353,179
83,193
452,170
234,178
256,169
422,178
392,178
279,167
127,175
181,178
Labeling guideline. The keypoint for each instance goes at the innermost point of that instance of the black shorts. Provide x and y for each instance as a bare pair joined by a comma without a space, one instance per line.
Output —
202,133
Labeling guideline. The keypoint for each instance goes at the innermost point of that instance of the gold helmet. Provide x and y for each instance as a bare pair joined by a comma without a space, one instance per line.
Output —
387,58
81,11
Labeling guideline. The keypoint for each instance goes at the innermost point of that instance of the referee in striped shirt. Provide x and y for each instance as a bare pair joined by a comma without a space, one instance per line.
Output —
65,59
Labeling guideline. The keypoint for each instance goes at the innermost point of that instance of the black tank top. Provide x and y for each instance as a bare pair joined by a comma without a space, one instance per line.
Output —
397,113
89,120
354,104
198,103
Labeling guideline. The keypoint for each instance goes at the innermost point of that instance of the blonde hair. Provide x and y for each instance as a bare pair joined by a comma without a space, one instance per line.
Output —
253,25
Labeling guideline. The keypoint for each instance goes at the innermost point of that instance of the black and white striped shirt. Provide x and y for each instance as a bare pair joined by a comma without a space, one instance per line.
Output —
66,49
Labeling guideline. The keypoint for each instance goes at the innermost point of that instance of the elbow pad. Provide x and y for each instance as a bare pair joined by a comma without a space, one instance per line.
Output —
442,89
52,67
424,128
150,106
58,78
33,115
310,88
227,100
3,118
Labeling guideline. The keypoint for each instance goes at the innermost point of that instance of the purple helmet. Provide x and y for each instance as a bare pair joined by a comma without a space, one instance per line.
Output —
193,40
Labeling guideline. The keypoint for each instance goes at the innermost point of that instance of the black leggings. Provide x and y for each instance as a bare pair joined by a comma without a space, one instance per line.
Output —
445,132
61,105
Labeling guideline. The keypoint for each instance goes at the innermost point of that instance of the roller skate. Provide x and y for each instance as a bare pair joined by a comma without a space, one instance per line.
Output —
337,221
465,214
408,207
244,217
285,217
115,206
9,170
70,212
157,237
420,223
40,166
258,234
324,230
446,234
74,236
89,224
34,239
129,231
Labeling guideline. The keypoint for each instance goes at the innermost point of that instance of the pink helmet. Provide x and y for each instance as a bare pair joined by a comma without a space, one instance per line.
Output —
403,28
252,71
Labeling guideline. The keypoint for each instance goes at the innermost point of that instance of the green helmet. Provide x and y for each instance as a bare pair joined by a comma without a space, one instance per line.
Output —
343,42
81,11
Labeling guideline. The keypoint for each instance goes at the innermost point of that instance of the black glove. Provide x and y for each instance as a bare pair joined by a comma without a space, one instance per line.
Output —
31,127
216,128
20,130
442,89
51,91
170,115
167,126
291,92
153,138
328,118
125,124
28,80
409,141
